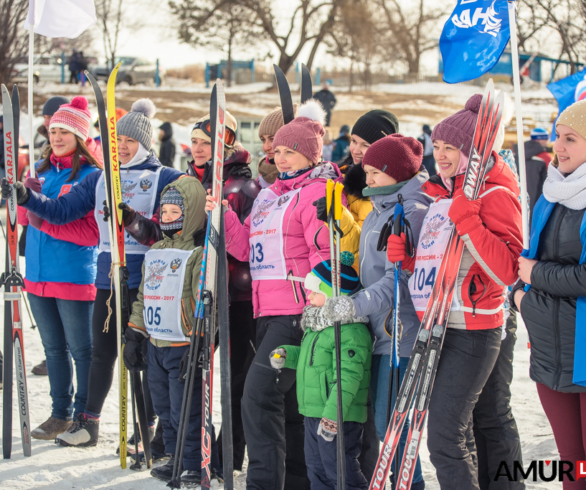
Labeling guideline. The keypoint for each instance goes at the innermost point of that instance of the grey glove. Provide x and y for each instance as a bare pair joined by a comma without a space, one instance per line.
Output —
340,309
22,193
278,357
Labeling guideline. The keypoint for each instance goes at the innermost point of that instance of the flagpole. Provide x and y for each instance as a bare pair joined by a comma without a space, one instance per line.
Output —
519,119
31,49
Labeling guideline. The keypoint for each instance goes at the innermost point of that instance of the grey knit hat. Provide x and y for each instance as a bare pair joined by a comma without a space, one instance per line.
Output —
52,105
137,123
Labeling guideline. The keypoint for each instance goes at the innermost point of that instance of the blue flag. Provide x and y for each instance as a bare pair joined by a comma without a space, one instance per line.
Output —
473,39
567,91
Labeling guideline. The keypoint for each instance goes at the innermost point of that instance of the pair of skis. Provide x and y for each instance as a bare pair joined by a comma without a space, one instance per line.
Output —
285,91
13,284
334,209
212,294
113,187
422,368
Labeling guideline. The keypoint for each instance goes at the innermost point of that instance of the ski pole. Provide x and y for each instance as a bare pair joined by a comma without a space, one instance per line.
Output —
28,310
394,375
334,207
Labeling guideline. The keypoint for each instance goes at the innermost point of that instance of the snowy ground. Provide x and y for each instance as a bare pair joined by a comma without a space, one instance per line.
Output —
53,467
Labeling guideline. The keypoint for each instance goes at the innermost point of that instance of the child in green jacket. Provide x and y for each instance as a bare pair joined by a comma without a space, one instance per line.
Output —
316,379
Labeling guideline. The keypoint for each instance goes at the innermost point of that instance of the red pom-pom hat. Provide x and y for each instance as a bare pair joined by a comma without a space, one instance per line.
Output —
73,117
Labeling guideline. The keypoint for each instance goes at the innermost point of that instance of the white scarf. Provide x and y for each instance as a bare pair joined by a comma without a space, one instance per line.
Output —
570,190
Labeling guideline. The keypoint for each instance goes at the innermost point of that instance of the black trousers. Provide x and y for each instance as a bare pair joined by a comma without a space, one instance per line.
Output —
466,362
104,354
273,426
495,428
370,444
242,351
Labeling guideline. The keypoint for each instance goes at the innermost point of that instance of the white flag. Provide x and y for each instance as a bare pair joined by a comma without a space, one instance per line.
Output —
61,18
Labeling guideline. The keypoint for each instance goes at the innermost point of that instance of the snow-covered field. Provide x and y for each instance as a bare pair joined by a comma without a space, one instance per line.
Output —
53,467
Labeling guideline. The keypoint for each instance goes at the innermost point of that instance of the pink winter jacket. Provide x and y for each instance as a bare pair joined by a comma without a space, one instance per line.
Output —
305,239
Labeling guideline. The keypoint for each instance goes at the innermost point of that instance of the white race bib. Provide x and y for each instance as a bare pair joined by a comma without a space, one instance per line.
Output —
139,191
267,258
164,276
433,241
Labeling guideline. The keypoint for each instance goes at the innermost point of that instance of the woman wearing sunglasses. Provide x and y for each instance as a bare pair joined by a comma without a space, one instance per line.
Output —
143,179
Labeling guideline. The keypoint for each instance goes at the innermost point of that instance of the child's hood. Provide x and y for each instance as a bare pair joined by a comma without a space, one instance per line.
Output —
194,197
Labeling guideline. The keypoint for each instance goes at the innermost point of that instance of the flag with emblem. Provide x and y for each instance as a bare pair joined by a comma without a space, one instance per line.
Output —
473,38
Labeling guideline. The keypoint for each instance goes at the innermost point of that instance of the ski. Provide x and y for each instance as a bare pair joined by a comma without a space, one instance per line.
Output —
425,354
110,154
203,331
225,368
13,284
284,95
218,127
306,85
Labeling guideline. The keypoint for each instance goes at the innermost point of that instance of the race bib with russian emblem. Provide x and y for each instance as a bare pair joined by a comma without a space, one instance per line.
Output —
139,191
433,241
267,259
164,276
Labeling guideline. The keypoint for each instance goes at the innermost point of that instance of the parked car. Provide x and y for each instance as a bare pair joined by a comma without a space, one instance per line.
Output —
46,68
132,71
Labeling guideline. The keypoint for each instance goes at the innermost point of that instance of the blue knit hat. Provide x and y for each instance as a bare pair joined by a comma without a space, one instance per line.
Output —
540,134
320,278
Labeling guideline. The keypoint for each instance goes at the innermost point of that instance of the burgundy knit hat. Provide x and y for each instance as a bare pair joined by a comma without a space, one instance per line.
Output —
73,117
305,133
458,130
396,155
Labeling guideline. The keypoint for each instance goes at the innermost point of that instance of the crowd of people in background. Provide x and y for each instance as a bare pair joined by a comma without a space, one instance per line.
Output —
282,310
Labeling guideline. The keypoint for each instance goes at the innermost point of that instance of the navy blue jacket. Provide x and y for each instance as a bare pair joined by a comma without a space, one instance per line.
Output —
82,199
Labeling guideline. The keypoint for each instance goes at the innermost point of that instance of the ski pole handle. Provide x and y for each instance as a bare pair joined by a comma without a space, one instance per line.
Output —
329,195
338,201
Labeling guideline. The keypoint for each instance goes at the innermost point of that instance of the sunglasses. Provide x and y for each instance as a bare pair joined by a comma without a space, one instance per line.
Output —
206,127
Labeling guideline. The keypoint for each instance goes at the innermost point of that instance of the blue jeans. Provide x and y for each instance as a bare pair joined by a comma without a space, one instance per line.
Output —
379,391
65,328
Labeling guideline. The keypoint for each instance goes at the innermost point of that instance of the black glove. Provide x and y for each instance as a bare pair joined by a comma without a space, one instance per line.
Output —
322,209
185,362
22,193
135,351
128,213
106,211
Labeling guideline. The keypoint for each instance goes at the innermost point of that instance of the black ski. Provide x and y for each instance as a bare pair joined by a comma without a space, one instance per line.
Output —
13,284
306,85
225,368
284,95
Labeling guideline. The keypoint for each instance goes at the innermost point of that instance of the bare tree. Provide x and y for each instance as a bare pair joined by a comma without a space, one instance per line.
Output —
564,17
13,39
311,21
109,14
532,20
356,36
225,25
412,29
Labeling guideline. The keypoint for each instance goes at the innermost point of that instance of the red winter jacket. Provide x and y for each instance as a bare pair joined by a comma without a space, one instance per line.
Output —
489,262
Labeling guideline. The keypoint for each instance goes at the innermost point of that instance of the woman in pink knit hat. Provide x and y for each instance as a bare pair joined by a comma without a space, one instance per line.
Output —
490,228
61,289
283,240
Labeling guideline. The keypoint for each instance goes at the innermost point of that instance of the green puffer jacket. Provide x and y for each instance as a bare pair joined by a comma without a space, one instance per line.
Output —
194,202
315,362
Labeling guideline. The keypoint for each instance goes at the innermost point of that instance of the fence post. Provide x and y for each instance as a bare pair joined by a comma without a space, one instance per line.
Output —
318,76
157,75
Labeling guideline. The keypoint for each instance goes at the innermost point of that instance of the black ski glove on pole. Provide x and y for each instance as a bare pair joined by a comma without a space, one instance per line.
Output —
128,213
135,351
322,211
22,193
106,210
